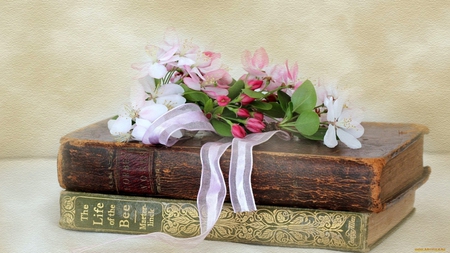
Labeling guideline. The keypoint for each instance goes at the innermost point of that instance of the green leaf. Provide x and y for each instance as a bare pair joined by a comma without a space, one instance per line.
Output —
264,106
218,110
222,128
227,113
284,99
307,123
275,111
289,111
209,105
196,96
235,89
253,94
304,97
318,136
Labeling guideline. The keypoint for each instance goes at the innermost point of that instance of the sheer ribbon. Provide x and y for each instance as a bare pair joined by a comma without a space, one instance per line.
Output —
212,191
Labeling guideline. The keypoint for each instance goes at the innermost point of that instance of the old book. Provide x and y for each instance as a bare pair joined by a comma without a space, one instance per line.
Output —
269,225
300,173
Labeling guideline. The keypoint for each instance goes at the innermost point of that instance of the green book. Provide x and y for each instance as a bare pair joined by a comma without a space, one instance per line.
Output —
269,225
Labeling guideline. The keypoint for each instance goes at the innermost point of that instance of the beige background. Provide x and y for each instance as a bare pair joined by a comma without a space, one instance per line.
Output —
64,65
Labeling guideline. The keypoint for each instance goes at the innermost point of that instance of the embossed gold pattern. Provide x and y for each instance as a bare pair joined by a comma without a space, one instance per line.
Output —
271,226
68,211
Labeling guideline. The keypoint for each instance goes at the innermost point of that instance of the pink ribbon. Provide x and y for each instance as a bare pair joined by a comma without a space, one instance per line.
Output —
241,165
212,191
184,117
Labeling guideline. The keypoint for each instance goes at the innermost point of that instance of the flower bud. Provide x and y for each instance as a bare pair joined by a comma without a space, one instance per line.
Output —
238,131
255,84
243,113
254,125
245,99
258,116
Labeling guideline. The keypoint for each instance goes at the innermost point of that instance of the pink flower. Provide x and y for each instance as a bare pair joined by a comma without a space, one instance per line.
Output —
276,73
254,125
255,64
245,99
209,61
208,83
223,100
243,113
238,131
255,84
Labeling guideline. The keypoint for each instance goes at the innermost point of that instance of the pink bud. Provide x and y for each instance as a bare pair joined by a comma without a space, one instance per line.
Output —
258,116
254,125
223,100
255,84
243,113
245,100
238,131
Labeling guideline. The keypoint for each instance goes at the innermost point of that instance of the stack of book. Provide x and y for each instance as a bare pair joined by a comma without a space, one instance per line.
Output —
307,195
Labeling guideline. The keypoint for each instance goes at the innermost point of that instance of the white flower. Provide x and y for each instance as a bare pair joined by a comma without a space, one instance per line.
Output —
140,128
343,122
147,103
170,94
156,66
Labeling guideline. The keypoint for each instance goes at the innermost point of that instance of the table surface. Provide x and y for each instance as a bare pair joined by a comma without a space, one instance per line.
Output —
29,207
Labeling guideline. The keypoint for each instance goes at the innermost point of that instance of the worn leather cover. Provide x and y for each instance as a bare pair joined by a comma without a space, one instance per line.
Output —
296,173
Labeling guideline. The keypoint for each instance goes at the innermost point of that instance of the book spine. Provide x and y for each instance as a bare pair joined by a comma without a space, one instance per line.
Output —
269,225
85,166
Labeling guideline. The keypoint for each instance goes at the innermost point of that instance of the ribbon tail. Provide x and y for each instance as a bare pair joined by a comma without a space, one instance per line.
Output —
212,192
241,165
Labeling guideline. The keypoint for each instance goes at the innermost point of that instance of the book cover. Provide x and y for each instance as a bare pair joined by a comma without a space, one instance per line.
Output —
299,173
269,225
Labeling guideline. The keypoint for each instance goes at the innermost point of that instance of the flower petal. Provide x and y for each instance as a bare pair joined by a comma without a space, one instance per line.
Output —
171,100
121,125
213,92
328,102
152,112
330,137
260,58
148,83
192,83
170,89
139,130
348,139
157,70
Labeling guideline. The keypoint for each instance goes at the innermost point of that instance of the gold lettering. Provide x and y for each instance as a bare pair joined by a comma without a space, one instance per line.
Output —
98,216
151,218
85,213
126,211
142,223
124,223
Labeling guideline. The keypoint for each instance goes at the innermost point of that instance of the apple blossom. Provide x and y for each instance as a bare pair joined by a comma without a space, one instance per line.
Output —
257,63
223,100
343,122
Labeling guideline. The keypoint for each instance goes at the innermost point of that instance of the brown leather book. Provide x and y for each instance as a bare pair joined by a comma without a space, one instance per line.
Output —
296,173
